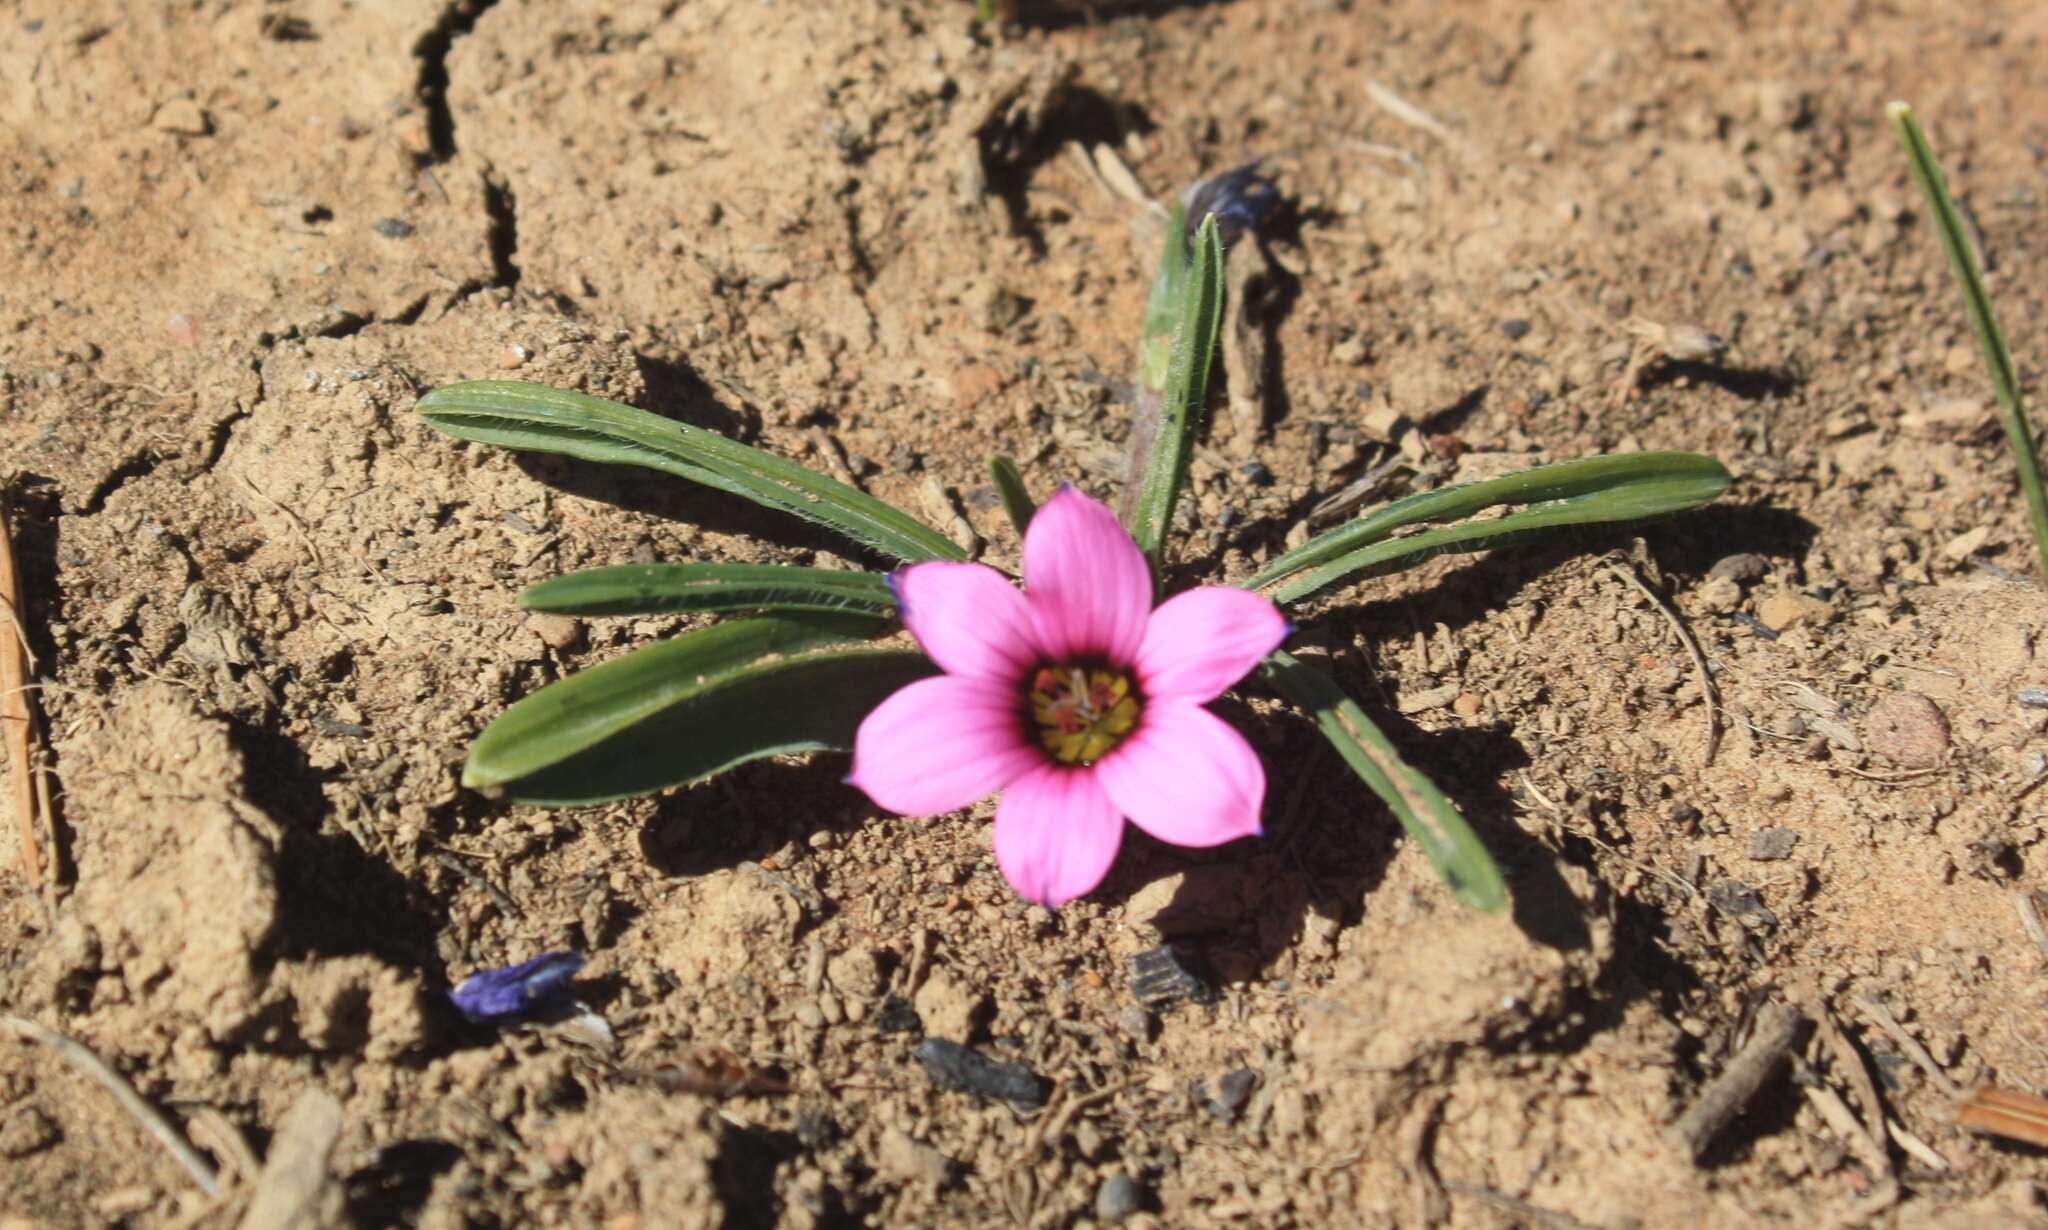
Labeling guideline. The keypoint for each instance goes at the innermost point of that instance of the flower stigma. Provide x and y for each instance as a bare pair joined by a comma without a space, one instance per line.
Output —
1082,712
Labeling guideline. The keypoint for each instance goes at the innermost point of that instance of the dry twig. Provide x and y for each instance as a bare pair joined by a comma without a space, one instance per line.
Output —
1882,1017
1406,112
2030,918
1920,1150
1843,1122
143,1113
31,812
2004,1112
1848,1063
1776,1028
1523,1213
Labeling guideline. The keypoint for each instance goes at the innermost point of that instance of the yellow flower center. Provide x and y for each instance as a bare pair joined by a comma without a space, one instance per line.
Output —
1082,711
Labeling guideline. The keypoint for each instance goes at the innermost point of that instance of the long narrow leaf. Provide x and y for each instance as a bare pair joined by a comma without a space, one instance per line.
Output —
805,704
1187,385
648,589
1621,487
1430,819
1017,504
1163,305
2005,383
591,707
540,419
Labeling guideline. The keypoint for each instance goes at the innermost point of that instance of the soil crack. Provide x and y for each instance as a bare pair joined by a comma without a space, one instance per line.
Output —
433,48
503,209
458,19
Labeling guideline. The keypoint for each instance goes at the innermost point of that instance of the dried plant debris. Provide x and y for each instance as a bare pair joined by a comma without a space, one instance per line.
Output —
527,991
953,1066
1171,973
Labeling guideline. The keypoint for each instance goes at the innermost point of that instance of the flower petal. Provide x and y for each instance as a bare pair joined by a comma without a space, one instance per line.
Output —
1186,777
939,744
969,618
1199,643
1089,586
1056,834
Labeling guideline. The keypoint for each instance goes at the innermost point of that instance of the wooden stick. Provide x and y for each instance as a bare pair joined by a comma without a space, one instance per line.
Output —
1875,1009
124,1093
1848,1064
1777,1027
16,715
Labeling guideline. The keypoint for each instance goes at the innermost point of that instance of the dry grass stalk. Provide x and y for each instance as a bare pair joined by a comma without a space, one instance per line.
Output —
17,716
2005,1112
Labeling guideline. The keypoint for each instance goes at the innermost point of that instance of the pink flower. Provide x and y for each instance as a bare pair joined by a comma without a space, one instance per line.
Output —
1075,698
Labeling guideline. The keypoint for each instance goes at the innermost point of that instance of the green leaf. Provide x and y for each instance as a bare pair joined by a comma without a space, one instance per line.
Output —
1431,820
593,709
1187,386
1010,488
647,589
809,704
1621,487
1163,306
1962,260
534,417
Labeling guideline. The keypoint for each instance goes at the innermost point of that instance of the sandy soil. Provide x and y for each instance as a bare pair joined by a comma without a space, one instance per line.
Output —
270,609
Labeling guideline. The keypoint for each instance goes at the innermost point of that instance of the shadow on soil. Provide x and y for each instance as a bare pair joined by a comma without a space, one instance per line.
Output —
334,897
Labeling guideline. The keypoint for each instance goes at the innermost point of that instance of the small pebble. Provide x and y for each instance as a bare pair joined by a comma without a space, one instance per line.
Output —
1515,329
558,632
182,116
1119,1196
1747,566
393,228
1739,901
1787,608
28,1129
1907,729
1232,1089
896,1016
2034,698
1771,844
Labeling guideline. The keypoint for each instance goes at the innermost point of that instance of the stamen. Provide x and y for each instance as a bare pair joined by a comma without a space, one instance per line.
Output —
1082,712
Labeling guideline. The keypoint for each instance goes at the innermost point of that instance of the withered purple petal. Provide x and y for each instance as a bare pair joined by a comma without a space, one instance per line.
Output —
1241,198
501,996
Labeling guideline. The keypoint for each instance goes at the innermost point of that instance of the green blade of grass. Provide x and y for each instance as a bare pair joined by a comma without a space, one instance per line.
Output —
1187,386
1431,820
2005,383
597,706
1017,504
536,418
651,589
1621,487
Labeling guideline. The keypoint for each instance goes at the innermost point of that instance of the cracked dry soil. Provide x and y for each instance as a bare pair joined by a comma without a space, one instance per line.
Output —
270,609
